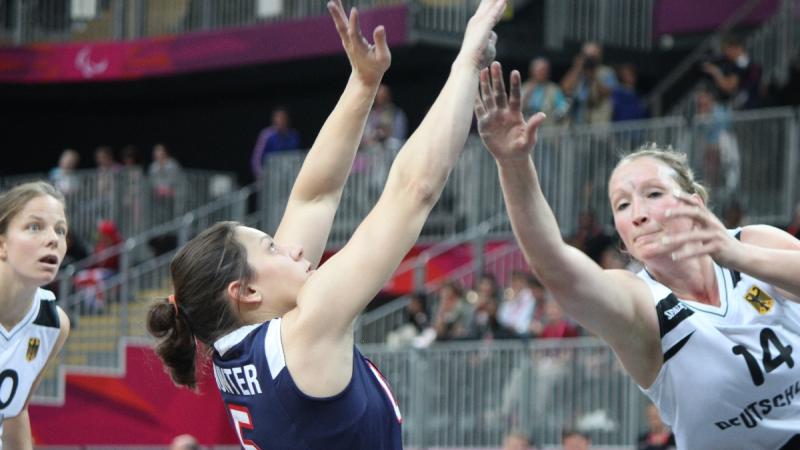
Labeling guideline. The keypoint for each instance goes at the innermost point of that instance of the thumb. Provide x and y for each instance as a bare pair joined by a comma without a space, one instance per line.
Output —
533,125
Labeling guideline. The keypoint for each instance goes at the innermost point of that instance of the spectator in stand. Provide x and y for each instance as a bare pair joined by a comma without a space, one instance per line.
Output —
794,226
516,311
719,149
387,125
184,442
658,436
627,103
736,77
416,321
540,94
134,185
454,314
107,171
90,281
64,177
589,83
164,173
517,440
553,324
588,229
277,137
575,440
485,323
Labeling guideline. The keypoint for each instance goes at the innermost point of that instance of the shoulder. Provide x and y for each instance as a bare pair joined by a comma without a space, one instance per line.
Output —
768,236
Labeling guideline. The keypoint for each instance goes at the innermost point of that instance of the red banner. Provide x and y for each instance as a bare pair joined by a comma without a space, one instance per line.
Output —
170,55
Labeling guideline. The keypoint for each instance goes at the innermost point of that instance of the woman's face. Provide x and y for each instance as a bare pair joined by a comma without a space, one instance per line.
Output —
641,192
36,240
279,271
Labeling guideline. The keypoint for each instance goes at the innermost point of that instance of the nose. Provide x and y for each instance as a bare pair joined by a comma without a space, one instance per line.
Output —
639,213
296,252
52,239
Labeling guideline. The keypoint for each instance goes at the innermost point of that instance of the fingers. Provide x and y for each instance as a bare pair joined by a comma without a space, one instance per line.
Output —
354,30
486,91
480,110
339,19
533,125
498,85
379,38
515,95
694,212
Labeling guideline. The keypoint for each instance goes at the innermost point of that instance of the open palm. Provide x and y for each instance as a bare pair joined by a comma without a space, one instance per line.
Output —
503,129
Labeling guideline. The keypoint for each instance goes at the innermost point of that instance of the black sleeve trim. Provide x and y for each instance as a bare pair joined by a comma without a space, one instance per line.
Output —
675,348
671,312
792,444
48,315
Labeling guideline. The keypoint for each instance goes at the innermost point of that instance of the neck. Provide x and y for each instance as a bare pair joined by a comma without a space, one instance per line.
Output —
16,298
692,279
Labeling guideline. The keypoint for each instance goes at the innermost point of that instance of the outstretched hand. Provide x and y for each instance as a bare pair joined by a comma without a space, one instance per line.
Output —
501,125
708,236
479,39
369,61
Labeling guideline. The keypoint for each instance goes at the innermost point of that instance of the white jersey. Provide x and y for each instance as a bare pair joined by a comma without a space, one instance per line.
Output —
24,351
731,375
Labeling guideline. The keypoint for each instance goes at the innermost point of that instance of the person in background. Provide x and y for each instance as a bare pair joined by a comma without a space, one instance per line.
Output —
627,103
540,94
575,440
658,436
517,440
589,83
184,442
64,177
277,137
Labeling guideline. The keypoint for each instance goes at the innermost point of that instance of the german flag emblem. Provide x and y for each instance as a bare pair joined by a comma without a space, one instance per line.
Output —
33,348
759,300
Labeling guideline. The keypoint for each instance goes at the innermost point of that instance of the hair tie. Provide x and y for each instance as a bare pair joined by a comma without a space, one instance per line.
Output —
171,300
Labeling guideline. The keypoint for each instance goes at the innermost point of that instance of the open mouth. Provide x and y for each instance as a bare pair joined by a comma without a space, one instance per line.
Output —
49,259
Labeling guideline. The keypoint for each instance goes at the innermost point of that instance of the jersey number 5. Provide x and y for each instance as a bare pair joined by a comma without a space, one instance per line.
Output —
770,363
242,421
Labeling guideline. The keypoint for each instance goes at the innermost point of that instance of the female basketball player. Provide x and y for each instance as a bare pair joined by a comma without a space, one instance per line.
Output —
282,332
33,232
708,328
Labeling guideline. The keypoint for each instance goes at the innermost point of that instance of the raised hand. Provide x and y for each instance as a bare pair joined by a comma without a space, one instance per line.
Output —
479,39
369,61
708,236
501,125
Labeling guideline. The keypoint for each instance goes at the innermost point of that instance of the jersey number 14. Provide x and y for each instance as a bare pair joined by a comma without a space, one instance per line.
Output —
770,363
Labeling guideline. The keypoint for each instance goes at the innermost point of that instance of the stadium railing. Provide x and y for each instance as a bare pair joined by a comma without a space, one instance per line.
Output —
130,198
619,23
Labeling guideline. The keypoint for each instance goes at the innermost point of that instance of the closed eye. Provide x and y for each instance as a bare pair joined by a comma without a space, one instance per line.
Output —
622,206
655,194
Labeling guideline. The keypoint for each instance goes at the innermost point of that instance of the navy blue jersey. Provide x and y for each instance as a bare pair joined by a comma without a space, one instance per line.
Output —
269,412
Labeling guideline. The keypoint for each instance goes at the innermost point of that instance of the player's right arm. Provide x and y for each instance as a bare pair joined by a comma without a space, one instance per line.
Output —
320,328
615,305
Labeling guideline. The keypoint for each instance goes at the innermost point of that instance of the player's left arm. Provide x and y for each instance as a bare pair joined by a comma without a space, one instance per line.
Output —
17,430
762,251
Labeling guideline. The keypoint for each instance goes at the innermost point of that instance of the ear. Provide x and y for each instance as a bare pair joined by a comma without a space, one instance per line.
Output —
239,291
3,254
696,197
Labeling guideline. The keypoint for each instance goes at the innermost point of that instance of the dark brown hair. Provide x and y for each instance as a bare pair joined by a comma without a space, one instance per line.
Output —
14,200
201,272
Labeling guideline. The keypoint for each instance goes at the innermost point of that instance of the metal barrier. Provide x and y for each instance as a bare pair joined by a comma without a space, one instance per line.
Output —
622,23
135,202
471,393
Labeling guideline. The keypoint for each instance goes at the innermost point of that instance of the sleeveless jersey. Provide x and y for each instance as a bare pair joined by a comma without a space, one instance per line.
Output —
731,374
24,351
268,411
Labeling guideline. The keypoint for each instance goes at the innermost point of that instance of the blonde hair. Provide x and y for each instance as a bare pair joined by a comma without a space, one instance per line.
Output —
675,160
14,200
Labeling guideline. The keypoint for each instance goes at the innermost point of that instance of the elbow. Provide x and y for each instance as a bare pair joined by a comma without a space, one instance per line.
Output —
423,191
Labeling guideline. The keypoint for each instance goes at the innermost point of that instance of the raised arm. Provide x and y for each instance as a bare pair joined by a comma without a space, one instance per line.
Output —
613,304
318,188
321,327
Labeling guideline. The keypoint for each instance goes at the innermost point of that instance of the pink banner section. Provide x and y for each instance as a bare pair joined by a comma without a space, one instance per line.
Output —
691,16
192,52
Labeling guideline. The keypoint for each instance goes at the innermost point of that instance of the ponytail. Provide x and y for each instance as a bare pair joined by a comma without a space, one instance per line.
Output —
176,343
